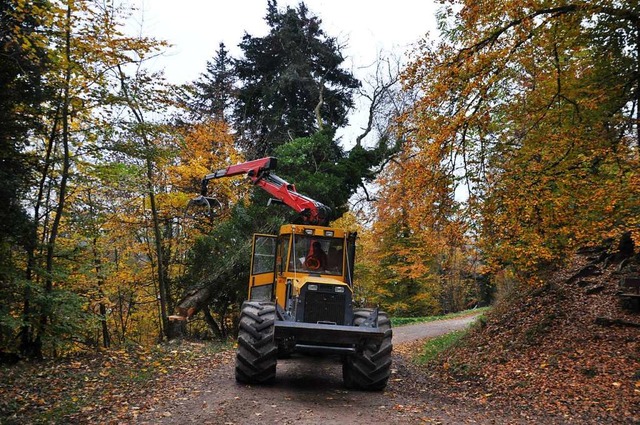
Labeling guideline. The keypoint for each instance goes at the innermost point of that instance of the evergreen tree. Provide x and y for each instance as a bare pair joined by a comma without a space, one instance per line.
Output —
22,62
212,92
291,83
21,91
321,169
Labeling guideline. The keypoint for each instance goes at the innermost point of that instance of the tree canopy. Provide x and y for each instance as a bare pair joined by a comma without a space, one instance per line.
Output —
513,140
531,110
22,65
291,82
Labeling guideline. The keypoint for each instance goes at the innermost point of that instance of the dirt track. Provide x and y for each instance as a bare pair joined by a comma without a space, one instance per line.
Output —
409,333
309,390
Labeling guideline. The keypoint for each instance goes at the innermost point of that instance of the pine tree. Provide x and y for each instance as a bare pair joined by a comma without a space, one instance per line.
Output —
213,91
291,82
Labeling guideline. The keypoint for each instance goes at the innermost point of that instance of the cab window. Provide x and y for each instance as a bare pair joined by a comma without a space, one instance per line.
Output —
313,254
283,249
264,255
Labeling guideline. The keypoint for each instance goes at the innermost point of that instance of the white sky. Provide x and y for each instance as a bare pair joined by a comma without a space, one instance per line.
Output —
195,28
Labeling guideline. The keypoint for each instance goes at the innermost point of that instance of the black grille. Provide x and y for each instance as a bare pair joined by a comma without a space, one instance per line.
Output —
324,307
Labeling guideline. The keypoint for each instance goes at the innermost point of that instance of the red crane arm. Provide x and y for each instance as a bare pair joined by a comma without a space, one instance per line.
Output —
259,172
253,169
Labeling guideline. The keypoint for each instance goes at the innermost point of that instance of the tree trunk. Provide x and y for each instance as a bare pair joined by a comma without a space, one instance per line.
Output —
162,284
212,322
124,313
155,218
193,301
62,190
638,84
97,262
28,347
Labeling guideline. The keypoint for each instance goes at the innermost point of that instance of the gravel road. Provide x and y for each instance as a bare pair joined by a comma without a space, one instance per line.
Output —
409,333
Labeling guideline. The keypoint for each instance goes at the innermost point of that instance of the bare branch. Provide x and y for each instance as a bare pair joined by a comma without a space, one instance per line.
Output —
316,110
381,92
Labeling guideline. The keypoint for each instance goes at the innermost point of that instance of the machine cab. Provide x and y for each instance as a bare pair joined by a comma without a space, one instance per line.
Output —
305,259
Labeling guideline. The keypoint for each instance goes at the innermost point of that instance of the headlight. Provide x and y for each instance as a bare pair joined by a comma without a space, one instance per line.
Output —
339,288
313,287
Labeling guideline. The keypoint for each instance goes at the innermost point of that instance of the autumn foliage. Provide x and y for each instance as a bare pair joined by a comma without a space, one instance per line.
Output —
106,180
524,141
98,245
513,141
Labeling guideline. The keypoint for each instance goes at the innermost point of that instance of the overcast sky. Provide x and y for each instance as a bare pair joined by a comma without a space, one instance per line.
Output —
195,28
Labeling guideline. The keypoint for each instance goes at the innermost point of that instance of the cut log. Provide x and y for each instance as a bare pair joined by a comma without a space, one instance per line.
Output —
192,302
176,317
596,289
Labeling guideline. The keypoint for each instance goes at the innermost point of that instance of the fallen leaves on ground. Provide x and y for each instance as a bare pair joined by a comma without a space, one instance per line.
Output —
543,351
117,384
541,358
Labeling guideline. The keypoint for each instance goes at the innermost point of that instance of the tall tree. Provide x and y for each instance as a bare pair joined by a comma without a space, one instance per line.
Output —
534,108
85,46
23,61
211,95
291,82
415,226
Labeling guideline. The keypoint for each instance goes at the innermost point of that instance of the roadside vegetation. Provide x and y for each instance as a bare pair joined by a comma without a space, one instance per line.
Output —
434,346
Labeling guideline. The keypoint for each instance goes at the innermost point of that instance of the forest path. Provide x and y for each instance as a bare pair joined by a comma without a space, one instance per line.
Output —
408,333
309,390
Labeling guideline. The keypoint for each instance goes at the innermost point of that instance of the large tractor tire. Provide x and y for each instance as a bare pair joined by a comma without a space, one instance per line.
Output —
370,368
257,354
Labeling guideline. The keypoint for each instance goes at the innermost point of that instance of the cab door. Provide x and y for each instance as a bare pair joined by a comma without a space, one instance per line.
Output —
263,264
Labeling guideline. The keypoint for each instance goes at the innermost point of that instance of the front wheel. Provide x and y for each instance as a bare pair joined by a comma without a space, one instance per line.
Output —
370,368
257,354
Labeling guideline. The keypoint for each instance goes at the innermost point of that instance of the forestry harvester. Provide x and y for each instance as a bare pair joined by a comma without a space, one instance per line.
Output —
301,293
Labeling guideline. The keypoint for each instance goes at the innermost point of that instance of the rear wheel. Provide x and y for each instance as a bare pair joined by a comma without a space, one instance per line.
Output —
369,369
257,354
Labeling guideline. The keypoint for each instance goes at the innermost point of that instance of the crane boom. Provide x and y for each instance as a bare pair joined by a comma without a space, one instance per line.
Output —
259,173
